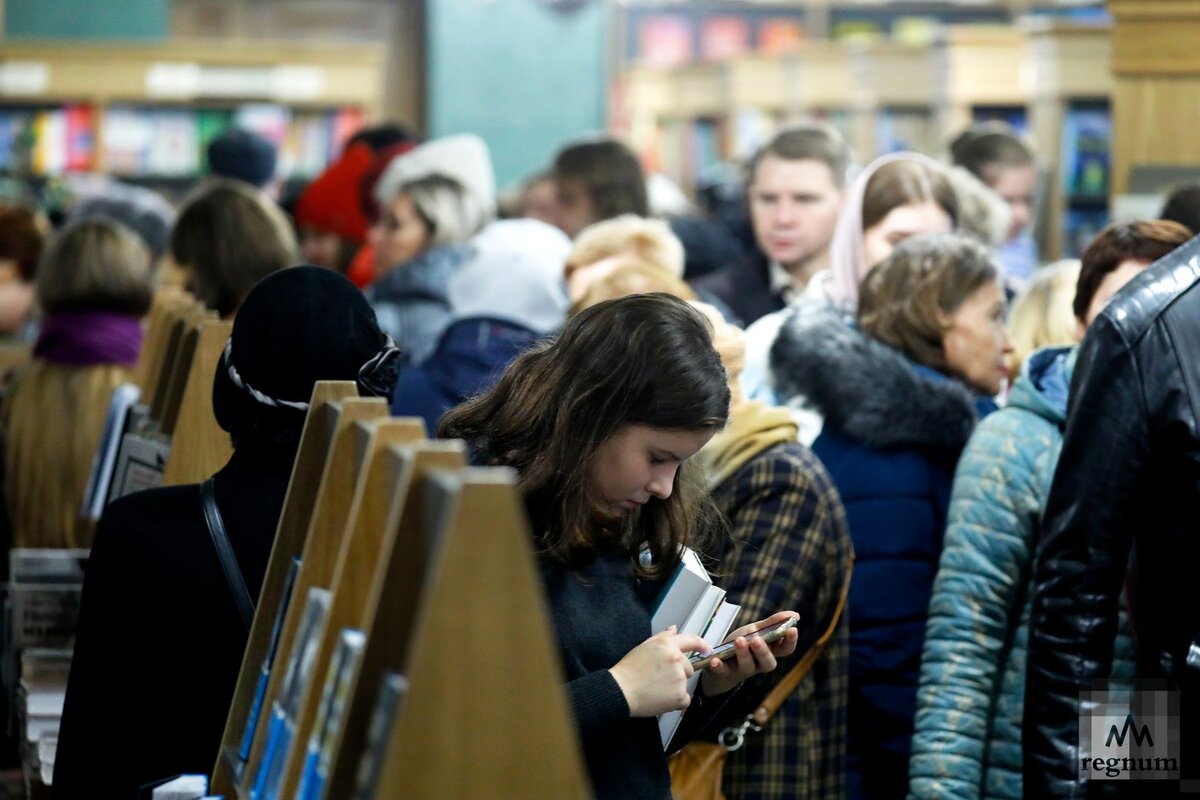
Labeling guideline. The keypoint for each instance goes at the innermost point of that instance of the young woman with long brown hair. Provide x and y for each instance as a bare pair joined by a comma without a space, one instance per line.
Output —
600,425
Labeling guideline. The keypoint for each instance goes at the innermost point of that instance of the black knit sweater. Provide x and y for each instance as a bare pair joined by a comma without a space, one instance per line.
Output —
601,612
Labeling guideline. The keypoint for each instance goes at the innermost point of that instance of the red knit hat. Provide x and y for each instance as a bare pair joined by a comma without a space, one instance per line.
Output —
331,202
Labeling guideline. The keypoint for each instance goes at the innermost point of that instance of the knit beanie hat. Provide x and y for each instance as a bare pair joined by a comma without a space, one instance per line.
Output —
243,155
330,203
515,273
298,326
463,158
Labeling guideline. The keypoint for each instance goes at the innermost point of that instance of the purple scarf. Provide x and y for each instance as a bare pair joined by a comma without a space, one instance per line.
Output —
86,338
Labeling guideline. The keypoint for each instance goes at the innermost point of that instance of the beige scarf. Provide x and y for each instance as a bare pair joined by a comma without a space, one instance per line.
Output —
753,427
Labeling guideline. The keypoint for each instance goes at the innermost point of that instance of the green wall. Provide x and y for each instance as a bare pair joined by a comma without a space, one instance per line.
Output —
87,19
523,76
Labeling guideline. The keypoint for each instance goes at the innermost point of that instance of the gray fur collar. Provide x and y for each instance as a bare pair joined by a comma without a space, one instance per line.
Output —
864,388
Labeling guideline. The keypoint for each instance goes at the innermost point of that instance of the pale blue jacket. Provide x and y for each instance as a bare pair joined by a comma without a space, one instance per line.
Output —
970,700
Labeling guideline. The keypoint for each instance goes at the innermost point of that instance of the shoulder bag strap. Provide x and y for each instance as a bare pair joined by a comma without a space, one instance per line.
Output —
767,708
229,564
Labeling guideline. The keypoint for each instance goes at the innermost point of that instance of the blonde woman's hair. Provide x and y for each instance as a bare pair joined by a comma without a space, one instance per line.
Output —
95,265
452,214
1041,316
730,343
634,278
647,240
53,419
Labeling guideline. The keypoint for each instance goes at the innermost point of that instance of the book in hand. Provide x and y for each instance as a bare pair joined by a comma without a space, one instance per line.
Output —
694,605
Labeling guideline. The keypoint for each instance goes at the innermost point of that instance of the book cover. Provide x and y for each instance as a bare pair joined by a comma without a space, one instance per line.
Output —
124,397
342,671
264,675
665,40
682,592
140,464
724,37
379,730
780,35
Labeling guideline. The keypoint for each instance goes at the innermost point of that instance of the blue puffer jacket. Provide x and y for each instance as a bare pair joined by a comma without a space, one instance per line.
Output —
470,357
967,744
411,301
892,435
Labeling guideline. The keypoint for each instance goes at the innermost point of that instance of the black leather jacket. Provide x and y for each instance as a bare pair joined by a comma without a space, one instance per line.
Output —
1129,473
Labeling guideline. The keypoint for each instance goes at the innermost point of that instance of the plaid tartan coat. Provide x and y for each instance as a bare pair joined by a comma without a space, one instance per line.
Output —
789,549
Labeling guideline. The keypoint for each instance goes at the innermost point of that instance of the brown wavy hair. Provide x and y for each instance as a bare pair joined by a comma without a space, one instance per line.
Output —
646,359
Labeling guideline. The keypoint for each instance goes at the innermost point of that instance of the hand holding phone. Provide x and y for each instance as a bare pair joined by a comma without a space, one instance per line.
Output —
726,651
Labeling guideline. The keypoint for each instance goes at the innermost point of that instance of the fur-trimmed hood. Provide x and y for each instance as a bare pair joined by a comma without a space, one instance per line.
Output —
866,389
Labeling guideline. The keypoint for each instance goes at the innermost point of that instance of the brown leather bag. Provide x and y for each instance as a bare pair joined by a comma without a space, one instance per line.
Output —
698,769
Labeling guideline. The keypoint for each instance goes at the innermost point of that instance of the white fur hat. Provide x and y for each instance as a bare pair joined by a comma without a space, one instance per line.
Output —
463,157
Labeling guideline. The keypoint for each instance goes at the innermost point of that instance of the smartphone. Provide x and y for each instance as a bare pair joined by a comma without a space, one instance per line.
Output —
725,652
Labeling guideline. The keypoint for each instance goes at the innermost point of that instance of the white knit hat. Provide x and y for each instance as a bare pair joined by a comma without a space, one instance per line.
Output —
463,157
514,274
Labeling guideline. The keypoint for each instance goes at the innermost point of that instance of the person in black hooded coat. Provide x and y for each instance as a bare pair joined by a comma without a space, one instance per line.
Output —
161,637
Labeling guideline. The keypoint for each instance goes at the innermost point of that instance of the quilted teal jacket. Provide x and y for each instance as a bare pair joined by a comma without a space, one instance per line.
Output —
967,743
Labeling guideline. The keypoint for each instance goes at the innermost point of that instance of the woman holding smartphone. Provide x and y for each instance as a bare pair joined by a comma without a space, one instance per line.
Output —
599,425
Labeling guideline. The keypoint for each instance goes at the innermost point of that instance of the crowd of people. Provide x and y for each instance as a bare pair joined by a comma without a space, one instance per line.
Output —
853,388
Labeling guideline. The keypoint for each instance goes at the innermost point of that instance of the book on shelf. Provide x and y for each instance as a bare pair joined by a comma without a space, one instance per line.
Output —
296,678
342,673
44,592
116,424
48,141
392,690
695,605
141,461
184,787
1086,153
264,673
149,141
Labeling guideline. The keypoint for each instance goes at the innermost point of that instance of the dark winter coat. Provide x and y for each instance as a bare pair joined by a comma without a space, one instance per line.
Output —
788,548
893,433
744,287
160,637
470,357
411,301
1128,475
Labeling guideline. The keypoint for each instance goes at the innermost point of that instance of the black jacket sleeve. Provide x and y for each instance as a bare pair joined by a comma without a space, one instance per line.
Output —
1083,556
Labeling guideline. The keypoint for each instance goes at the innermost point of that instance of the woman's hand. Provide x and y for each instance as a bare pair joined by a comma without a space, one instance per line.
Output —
654,674
753,655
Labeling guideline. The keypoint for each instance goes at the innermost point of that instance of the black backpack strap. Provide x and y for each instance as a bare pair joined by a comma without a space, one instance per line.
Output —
229,564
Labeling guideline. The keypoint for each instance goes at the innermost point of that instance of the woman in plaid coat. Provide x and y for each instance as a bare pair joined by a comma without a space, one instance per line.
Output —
789,548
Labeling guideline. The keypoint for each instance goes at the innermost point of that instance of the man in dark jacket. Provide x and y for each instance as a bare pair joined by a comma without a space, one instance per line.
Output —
1129,474
794,190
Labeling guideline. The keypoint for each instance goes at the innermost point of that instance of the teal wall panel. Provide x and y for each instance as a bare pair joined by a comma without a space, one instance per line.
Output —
521,75
141,20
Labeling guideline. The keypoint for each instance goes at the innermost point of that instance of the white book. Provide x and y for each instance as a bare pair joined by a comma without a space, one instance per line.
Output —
141,462
185,787
124,398
714,630
686,588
